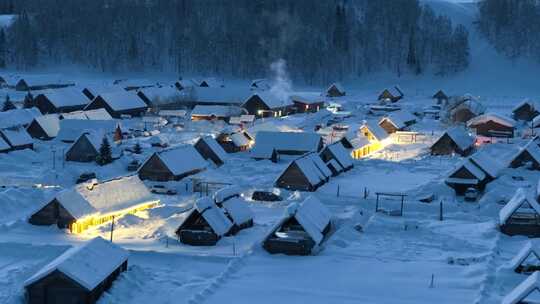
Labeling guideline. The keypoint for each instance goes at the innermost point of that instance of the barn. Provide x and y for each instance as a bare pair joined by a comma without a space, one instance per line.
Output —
205,225
119,103
226,193
60,101
521,215
527,260
269,144
17,138
335,90
214,112
209,149
301,231
172,165
528,156
79,275
306,173
337,158
492,125
441,97
85,148
44,127
392,95
456,140
525,111
397,121
307,102
84,206
266,104
520,293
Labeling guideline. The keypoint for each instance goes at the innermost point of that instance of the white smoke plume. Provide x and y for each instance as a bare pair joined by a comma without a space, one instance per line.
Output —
281,83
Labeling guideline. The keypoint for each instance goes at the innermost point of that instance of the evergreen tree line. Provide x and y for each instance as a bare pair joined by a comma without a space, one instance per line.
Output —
321,41
512,26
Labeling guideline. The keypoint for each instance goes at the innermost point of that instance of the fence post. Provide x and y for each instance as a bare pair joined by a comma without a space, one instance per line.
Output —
441,211
338,190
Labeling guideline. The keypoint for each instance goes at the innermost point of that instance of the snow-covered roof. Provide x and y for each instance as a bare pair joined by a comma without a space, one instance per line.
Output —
375,129
400,119
75,115
484,118
17,137
210,81
4,146
224,193
461,137
472,168
358,141
338,86
161,95
341,155
312,215
530,249
71,129
272,100
215,216
88,264
525,288
267,141
487,163
97,114
18,117
182,159
307,97
65,97
75,203
37,80
524,102
532,148
213,95
215,110
313,168
239,139
238,210
123,100
521,199
117,194
50,123
473,105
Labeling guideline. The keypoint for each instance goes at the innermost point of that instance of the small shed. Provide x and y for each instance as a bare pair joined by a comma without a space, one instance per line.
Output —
338,154
528,156
528,258
119,103
441,97
172,164
397,121
526,110
306,173
520,293
85,148
17,138
205,225
44,127
335,90
301,231
209,148
267,104
521,215
307,102
492,125
392,95
79,275
456,140
61,101
270,144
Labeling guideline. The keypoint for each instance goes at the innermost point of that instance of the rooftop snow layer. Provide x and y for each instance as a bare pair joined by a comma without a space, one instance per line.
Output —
238,210
71,129
224,193
484,118
267,141
215,216
65,97
375,129
526,287
123,100
50,123
521,199
342,156
461,137
18,117
182,160
400,119
217,111
17,137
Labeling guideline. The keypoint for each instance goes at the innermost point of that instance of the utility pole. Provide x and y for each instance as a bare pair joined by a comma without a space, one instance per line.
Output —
112,228
54,158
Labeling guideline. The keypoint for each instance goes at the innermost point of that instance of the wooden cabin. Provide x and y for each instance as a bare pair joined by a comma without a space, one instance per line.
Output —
441,97
337,158
172,165
307,103
165,97
521,293
474,172
306,173
17,138
265,104
492,125
85,148
269,144
61,101
301,231
397,121
335,90
392,95
528,156
44,127
40,82
464,109
238,212
213,112
85,206
209,149
80,275
456,140
525,111
205,225
521,215
373,131
233,142
527,260
119,103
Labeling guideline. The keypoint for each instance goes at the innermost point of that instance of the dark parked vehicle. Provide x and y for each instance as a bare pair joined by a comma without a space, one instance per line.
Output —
160,189
86,176
265,196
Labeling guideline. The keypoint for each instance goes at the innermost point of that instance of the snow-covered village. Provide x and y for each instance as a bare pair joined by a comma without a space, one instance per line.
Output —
336,151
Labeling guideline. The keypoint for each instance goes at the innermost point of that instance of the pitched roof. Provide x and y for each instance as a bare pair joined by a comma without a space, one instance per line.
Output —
73,201
181,160
71,129
238,210
162,95
484,118
525,288
341,155
88,264
521,199
312,215
50,123
312,167
218,111
216,148
18,117
272,100
66,97
95,114
123,100
268,141
461,137
224,193
239,139
4,146
400,119
17,137
307,97
470,167
214,216
337,85
524,102
532,148
487,163
529,249
215,95
374,128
